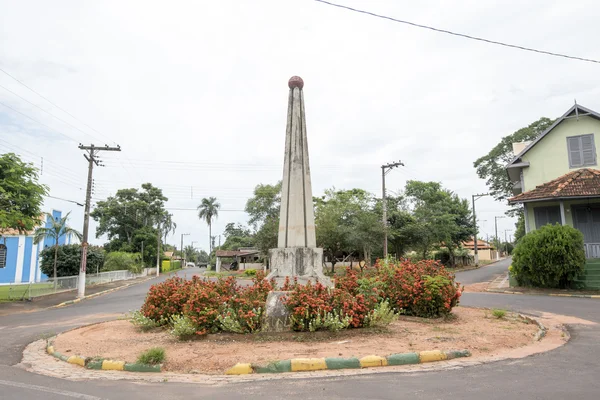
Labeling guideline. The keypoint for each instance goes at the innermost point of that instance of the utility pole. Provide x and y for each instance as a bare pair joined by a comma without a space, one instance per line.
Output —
158,248
385,169
91,157
476,197
496,227
143,254
182,252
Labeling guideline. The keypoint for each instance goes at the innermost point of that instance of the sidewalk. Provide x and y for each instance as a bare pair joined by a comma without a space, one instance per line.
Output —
43,302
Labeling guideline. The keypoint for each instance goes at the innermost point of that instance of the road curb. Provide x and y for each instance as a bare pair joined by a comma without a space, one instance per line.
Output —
91,296
582,296
318,364
100,363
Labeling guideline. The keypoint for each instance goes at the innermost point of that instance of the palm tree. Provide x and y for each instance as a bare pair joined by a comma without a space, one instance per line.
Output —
168,225
58,228
207,210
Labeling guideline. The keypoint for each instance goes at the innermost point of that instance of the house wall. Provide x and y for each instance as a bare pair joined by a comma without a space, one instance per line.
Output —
567,206
549,158
22,259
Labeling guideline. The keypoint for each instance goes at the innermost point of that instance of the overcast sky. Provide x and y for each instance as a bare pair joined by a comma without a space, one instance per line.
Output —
195,93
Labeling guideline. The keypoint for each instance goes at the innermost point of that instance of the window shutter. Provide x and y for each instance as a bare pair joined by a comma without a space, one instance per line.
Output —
2,256
575,155
588,150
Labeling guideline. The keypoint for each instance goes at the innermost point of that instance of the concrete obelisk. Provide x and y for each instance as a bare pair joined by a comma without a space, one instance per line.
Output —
297,254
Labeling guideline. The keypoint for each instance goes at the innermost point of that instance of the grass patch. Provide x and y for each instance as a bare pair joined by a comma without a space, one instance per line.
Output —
499,313
153,356
19,292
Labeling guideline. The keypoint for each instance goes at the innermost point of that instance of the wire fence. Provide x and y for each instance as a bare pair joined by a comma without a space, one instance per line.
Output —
24,291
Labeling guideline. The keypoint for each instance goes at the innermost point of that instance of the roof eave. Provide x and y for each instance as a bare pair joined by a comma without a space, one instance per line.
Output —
557,198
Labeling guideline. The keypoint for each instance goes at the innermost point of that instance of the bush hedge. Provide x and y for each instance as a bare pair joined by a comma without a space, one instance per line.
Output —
549,257
359,299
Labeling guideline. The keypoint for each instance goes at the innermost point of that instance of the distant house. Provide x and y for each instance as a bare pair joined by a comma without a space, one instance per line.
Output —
485,250
246,258
19,256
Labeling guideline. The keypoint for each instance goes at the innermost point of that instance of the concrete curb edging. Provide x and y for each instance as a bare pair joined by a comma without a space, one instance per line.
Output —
583,296
316,364
91,296
101,364
539,335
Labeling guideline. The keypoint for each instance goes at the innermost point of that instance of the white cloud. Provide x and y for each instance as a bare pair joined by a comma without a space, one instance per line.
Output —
204,82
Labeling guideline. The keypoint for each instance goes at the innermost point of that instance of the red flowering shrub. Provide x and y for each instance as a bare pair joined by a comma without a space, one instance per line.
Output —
167,298
422,289
209,306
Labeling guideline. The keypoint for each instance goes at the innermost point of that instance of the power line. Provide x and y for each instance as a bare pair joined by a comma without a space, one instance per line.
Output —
51,102
35,120
514,46
70,201
48,112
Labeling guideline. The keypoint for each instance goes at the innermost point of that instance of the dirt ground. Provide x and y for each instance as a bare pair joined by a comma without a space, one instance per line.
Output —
472,329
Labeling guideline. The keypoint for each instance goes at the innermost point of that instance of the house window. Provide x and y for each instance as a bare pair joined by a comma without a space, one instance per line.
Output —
2,256
546,215
582,151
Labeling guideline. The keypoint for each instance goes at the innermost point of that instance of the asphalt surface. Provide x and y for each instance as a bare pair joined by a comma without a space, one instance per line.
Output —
571,371
483,274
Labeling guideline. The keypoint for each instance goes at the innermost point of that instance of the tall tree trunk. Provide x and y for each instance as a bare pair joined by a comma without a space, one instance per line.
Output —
209,239
55,261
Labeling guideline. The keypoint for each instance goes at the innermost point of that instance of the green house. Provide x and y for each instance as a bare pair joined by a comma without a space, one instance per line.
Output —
556,178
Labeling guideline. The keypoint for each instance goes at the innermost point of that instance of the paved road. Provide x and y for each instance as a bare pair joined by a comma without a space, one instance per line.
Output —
571,371
483,274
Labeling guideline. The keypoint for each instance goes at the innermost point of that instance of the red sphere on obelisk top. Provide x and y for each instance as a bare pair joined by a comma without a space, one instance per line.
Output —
296,82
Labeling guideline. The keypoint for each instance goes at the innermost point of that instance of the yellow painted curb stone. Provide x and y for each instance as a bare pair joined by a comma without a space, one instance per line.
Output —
308,364
239,369
430,356
113,365
373,361
76,360
50,349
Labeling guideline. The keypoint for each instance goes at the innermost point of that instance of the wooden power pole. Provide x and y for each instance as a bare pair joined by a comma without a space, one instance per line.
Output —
91,157
384,171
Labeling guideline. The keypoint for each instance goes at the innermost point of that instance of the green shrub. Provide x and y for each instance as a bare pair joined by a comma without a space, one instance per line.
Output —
183,327
382,315
142,322
552,257
498,313
120,261
249,272
153,356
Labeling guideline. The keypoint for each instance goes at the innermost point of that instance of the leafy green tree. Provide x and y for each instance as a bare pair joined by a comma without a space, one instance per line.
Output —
208,209
129,218
520,227
236,236
202,256
491,167
263,209
121,261
68,259
21,196
347,220
443,217
57,229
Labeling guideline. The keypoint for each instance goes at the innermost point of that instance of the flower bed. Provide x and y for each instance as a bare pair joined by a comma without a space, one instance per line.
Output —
372,297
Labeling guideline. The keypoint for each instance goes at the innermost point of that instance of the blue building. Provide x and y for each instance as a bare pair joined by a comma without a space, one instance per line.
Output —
20,257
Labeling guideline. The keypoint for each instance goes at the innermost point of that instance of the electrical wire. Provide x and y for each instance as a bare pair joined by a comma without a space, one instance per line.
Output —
514,46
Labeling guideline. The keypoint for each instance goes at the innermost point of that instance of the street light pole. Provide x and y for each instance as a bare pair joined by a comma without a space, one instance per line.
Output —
476,197
182,252
496,227
384,171
506,241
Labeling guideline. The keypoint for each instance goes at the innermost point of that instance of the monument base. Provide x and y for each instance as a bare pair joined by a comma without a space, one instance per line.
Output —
303,263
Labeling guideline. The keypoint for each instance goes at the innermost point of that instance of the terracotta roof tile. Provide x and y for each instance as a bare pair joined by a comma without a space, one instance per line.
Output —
580,183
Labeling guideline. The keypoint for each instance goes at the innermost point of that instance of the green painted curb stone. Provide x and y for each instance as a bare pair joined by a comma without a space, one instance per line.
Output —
342,363
457,354
403,359
60,356
275,367
94,364
141,368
